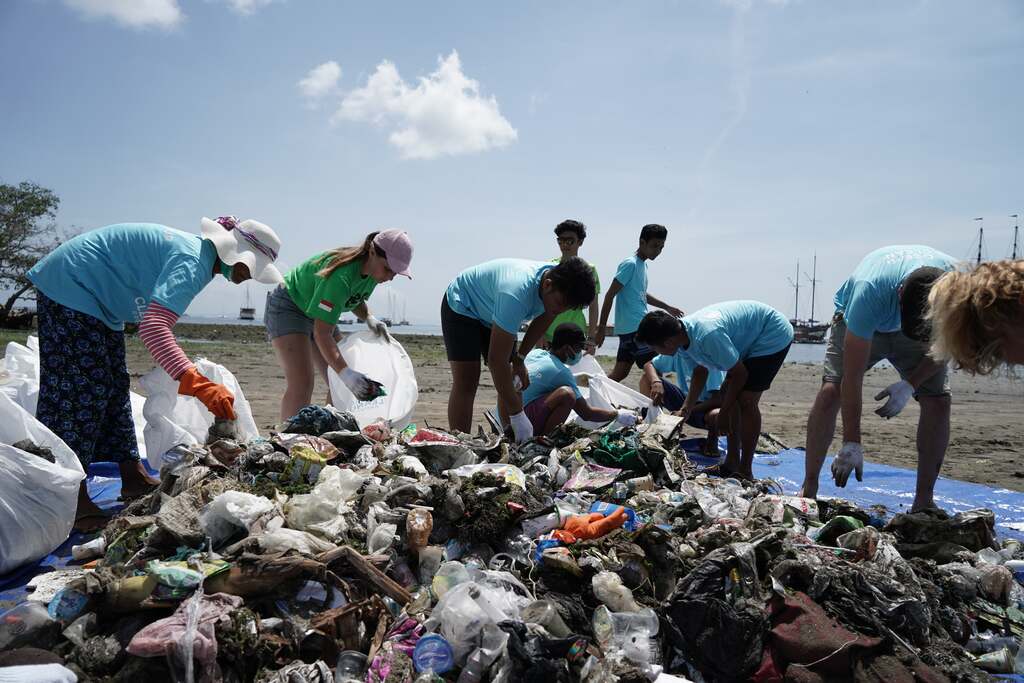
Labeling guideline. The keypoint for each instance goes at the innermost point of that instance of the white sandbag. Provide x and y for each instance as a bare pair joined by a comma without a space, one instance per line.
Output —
384,361
19,374
608,394
172,419
38,499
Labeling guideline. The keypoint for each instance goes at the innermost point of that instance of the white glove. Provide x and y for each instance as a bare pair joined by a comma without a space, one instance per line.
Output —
377,327
361,386
521,426
850,459
626,418
898,393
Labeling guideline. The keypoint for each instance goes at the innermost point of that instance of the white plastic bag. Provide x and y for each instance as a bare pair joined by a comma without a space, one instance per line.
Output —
19,379
19,374
384,361
38,499
231,511
172,419
608,394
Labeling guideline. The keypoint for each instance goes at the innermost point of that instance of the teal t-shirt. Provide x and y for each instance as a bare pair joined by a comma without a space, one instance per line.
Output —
547,373
631,301
870,300
683,366
723,334
505,292
113,273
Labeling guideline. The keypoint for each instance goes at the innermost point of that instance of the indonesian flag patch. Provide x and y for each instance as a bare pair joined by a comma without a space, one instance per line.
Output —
326,306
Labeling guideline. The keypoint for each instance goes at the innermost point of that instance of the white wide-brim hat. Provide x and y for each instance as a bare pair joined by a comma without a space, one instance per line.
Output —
249,242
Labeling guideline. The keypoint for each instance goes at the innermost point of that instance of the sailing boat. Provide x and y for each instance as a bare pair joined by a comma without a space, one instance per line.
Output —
404,320
808,331
247,311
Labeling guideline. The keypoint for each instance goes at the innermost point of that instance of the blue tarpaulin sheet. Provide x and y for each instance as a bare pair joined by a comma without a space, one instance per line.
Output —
892,487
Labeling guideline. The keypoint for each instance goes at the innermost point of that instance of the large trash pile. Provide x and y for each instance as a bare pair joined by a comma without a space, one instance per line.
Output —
333,553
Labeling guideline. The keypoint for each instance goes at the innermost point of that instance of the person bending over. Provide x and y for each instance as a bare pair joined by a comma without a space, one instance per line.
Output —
553,393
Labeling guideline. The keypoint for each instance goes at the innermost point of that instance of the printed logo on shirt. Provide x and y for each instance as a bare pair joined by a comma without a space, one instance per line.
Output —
325,306
355,300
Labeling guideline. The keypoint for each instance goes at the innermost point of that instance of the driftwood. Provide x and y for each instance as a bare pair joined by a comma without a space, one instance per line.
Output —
367,571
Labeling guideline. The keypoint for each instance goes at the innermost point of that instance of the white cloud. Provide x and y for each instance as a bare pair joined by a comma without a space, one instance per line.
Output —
320,81
247,6
444,114
133,13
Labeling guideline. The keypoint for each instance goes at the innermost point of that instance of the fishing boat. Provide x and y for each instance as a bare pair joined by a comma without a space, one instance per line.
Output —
247,311
809,331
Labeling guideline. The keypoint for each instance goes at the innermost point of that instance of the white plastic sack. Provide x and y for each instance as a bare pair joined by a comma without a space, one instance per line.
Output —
587,367
608,394
19,374
172,419
384,361
231,511
19,379
38,499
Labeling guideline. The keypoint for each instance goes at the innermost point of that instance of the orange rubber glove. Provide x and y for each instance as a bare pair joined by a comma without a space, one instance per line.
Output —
216,397
590,526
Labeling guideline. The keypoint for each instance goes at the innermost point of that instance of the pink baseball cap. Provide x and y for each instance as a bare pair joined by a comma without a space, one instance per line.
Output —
398,248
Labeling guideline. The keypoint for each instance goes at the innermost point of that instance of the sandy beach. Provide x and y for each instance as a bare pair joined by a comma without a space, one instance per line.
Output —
986,444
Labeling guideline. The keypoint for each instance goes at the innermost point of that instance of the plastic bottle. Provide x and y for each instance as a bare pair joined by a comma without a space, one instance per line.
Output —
630,632
609,589
89,549
544,613
418,525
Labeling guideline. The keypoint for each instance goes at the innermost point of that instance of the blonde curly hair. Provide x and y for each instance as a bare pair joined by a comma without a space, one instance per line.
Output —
972,311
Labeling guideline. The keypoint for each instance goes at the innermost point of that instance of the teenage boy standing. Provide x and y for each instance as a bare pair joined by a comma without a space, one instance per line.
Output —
630,287
570,235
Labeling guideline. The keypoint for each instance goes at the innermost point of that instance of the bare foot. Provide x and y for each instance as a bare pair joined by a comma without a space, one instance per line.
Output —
710,447
135,481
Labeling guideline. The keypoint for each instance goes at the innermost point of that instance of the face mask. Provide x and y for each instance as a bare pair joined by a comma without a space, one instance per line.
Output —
225,270
573,360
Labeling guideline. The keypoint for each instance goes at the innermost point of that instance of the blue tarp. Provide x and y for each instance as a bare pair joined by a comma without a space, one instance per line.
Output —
892,487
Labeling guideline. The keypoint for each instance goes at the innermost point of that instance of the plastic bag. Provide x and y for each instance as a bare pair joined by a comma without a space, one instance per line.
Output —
172,419
608,394
19,373
386,362
38,498
320,511
231,512
19,379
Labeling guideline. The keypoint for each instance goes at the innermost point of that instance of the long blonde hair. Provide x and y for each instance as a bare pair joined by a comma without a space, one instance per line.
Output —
971,312
336,258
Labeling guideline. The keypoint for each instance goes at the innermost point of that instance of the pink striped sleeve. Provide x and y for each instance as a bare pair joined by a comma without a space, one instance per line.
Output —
155,332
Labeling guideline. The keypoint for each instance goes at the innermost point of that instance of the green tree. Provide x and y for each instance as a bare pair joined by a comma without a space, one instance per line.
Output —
27,233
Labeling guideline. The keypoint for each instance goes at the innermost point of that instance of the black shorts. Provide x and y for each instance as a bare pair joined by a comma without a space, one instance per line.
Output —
761,370
465,338
631,351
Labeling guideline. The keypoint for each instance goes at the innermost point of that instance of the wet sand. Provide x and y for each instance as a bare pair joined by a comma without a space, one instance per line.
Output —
986,444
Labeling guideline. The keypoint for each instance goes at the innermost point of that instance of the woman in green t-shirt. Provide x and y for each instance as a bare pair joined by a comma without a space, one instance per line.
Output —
301,314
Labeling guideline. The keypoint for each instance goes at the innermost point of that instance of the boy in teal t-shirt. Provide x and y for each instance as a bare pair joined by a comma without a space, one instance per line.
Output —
629,292
570,235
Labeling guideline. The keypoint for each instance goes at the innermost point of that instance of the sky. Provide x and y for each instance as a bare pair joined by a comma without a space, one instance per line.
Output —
759,132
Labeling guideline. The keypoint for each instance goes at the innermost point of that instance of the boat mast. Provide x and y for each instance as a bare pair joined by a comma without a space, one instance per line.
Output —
795,284
814,284
1016,228
981,237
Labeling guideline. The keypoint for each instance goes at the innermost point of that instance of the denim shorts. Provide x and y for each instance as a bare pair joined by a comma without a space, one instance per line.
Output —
283,317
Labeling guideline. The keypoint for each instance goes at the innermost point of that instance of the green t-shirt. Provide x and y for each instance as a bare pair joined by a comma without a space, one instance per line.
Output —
574,316
327,298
